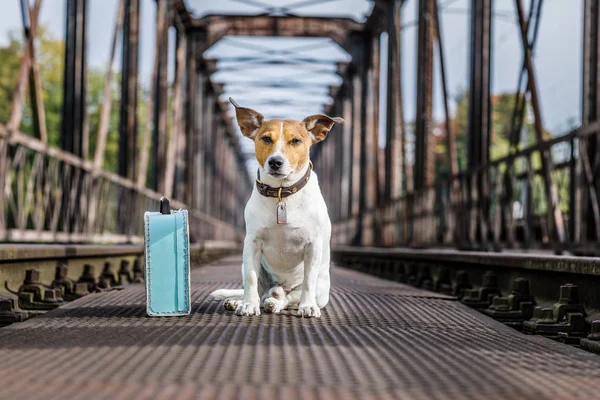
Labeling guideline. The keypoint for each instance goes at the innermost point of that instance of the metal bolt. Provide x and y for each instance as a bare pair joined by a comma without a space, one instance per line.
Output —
490,280
520,286
61,272
500,303
50,295
103,283
124,267
569,294
32,276
107,268
88,272
7,305
547,316
595,335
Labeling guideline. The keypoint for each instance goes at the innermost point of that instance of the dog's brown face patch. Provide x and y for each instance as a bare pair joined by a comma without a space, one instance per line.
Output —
289,136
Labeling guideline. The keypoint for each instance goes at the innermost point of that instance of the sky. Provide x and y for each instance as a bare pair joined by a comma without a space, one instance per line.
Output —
557,57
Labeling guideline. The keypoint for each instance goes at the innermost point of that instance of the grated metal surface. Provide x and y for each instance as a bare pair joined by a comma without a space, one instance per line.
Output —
376,339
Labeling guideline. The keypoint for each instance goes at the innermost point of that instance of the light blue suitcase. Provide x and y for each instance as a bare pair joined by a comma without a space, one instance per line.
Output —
167,261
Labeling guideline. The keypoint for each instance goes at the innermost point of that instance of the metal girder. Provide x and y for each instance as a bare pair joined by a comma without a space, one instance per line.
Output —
288,102
479,93
478,131
160,100
423,171
74,86
264,59
275,84
128,121
587,193
219,26
554,214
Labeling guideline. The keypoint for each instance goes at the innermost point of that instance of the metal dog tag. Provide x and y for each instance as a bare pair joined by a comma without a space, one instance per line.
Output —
281,213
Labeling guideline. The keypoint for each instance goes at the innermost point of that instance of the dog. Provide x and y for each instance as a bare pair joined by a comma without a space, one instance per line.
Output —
286,253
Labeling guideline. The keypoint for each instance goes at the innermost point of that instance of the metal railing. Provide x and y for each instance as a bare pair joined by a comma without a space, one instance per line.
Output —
501,205
49,195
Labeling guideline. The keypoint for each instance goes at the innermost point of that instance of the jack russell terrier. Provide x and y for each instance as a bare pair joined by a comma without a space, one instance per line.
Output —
288,231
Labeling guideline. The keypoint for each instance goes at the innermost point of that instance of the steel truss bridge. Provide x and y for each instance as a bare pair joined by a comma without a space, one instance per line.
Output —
437,247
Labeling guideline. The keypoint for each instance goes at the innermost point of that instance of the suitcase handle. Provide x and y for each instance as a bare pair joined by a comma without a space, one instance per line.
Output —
165,206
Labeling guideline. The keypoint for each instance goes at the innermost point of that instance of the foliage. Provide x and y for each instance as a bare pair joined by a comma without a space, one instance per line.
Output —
50,57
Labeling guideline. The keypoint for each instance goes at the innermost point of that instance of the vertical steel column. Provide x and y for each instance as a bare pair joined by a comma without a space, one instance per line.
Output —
209,151
217,150
423,172
587,191
74,84
128,121
395,120
365,130
479,93
478,132
373,105
191,132
356,178
160,101
200,141
345,186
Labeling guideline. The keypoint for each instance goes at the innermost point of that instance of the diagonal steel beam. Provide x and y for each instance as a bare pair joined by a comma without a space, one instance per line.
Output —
555,218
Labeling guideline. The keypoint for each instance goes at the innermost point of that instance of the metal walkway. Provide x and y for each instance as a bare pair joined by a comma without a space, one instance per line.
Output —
376,339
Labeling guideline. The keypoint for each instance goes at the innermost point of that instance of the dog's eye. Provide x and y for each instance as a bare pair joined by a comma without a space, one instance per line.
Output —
266,139
295,141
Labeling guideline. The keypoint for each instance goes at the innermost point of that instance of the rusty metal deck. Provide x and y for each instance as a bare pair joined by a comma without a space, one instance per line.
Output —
376,339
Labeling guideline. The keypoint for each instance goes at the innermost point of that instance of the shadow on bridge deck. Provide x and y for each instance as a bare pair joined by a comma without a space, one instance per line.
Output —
376,339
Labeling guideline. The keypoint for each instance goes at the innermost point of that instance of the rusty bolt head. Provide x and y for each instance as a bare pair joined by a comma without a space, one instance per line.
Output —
107,267
50,296
500,303
7,305
103,283
569,294
595,334
520,286
471,294
88,271
547,315
490,280
124,266
61,272
32,276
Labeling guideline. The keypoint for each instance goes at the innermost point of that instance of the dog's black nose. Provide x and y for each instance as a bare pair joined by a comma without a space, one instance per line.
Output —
275,163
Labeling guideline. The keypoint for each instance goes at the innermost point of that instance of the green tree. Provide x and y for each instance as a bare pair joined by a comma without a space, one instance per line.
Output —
50,57
9,71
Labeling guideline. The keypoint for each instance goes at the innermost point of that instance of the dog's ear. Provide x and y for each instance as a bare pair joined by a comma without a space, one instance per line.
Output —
248,119
319,125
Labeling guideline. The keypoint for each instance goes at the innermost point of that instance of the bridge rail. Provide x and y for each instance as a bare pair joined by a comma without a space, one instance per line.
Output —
50,195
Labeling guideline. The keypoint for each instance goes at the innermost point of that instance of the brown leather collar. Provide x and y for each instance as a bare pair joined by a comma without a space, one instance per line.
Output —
282,192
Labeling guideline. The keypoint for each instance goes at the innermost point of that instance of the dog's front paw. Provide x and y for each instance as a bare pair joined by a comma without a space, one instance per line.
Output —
247,308
272,305
309,310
